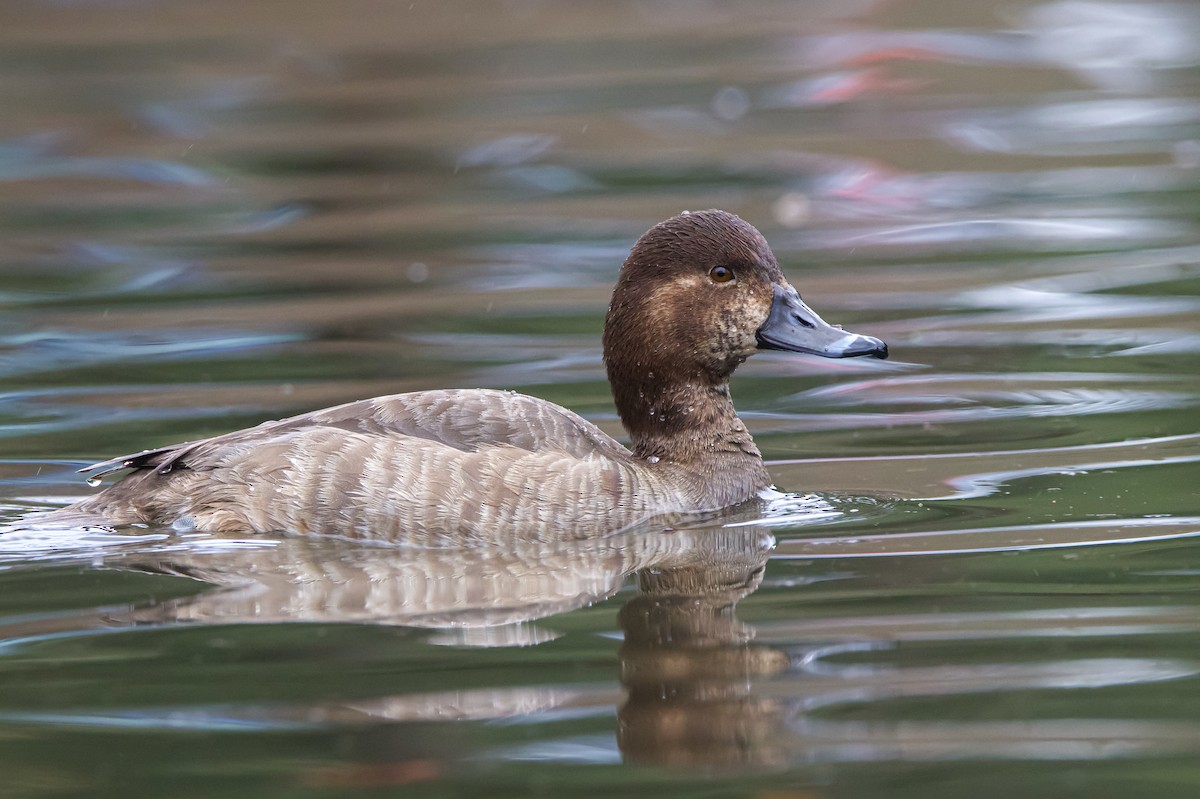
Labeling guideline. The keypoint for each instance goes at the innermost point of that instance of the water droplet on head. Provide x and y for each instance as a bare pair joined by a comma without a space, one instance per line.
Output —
94,481
652,459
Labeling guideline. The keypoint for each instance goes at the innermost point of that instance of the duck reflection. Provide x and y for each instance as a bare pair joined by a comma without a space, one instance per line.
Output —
687,664
478,592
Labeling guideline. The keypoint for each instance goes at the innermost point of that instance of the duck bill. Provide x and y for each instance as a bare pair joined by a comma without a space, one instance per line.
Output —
794,327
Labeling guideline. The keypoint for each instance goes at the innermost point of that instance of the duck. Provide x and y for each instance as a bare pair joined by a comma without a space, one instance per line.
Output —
699,294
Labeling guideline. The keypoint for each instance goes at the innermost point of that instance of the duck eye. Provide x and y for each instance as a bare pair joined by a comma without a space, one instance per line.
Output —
721,274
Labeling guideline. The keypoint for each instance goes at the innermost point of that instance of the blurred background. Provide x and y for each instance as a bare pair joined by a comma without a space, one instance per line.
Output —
214,213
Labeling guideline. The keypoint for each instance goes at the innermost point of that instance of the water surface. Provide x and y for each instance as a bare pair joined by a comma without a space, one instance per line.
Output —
981,575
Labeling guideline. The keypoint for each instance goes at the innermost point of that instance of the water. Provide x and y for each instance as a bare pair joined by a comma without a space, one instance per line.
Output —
982,580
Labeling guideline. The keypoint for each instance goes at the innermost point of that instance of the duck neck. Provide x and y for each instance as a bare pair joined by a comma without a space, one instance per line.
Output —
692,423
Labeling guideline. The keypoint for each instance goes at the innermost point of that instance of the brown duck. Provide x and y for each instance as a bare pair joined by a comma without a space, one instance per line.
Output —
699,294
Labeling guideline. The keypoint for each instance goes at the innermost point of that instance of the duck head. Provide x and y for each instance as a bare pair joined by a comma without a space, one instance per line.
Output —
698,295
702,292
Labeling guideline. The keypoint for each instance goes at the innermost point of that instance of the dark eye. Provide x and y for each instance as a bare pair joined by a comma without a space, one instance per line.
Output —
721,274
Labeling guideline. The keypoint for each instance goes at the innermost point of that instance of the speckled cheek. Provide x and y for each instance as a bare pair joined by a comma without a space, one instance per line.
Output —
757,309
760,304
734,338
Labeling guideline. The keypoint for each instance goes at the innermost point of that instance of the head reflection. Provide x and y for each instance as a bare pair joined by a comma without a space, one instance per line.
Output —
688,667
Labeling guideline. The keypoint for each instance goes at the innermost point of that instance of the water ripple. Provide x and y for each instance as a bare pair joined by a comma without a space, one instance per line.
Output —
46,350
105,168
1009,538
971,403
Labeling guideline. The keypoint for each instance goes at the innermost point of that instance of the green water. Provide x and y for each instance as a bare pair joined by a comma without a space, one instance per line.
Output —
984,581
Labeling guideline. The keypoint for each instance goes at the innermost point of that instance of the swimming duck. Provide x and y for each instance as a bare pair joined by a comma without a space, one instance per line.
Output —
699,294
